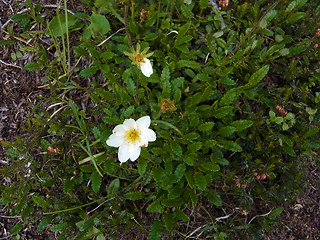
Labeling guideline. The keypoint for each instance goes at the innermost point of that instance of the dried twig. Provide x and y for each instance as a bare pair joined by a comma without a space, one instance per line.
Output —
110,37
11,65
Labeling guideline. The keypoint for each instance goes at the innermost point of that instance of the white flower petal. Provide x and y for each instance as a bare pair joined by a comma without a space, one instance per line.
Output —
143,122
134,152
149,135
129,123
146,67
114,140
119,130
123,153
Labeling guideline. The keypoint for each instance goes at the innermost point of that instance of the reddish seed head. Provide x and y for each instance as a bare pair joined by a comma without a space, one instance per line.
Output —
255,174
316,46
258,177
47,196
263,176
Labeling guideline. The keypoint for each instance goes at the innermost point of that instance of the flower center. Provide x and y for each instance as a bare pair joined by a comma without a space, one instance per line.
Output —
132,135
138,58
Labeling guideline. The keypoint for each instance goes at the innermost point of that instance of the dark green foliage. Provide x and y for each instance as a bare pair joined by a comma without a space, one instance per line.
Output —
240,100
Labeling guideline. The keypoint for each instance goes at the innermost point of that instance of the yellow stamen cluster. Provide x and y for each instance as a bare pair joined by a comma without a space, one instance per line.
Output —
138,57
132,135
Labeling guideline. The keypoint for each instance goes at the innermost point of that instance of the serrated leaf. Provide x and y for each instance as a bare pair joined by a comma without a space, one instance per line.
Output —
13,153
223,111
168,219
257,76
155,230
114,187
230,97
276,212
191,136
26,212
165,82
180,215
142,166
189,177
127,113
241,124
194,147
205,127
168,181
203,4
40,201
16,229
133,196
188,64
155,206
96,180
182,40
294,17
88,71
207,93
183,30
226,131
311,132
158,174
210,166
44,222
232,146
175,192
33,66
213,197
195,99
68,185
200,181
179,172
58,227
176,148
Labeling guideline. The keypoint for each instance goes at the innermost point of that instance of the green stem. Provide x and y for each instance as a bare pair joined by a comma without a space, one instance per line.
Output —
137,86
169,125
126,25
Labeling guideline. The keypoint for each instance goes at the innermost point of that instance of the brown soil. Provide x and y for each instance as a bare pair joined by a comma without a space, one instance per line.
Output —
21,90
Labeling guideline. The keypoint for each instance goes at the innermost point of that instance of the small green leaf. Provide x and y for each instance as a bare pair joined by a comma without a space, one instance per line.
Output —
203,4
241,124
142,166
96,180
58,227
257,76
232,146
155,230
156,206
13,153
114,187
200,181
188,64
133,196
168,219
213,197
226,131
294,17
40,201
179,172
223,111
26,212
44,222
16,229
58,25
33,66
276,212
180,215
205,127
210,166
194,147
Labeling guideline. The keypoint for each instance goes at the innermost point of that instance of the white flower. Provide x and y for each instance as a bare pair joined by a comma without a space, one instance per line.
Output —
146,67
130,137
141,59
